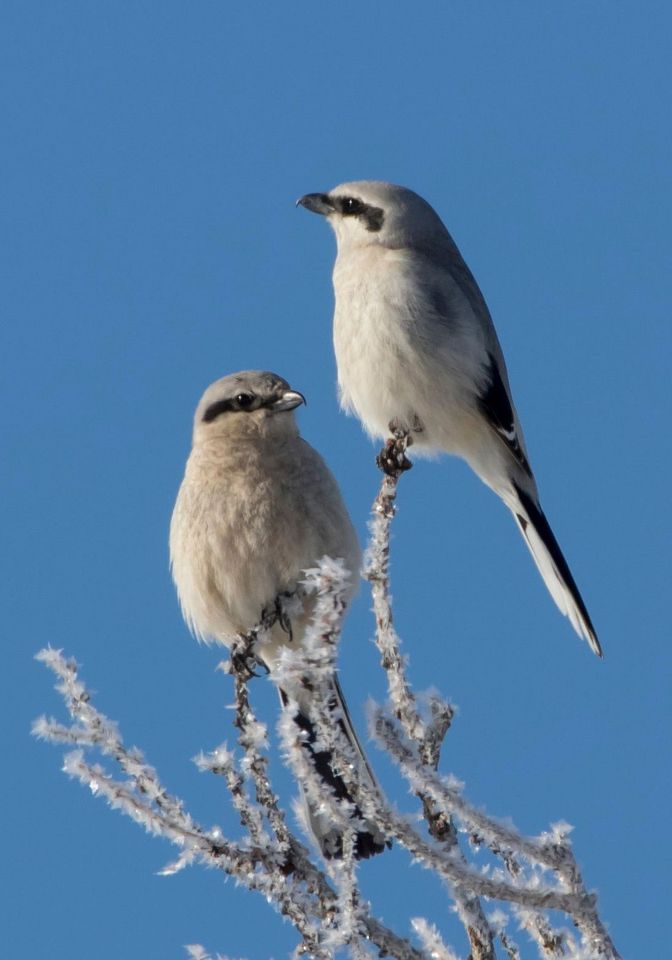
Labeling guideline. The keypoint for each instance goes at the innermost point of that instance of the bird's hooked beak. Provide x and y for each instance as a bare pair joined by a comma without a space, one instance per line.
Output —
316,203
289,400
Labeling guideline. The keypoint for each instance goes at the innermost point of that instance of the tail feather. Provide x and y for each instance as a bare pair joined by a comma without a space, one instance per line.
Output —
368,839
553,567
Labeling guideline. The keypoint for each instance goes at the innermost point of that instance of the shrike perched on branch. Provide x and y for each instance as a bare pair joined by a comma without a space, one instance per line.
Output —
415,346
257,507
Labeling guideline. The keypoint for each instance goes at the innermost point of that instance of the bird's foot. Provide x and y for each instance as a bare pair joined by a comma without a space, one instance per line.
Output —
392,459
281,614
244,659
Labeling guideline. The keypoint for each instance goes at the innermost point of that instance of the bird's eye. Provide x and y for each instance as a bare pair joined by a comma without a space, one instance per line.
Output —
244,400
351,207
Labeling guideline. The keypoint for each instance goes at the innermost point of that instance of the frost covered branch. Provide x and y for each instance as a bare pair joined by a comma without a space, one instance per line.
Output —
271,861
324,901
428,735
441,798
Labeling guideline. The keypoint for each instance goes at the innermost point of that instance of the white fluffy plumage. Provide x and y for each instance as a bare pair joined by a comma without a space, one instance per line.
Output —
415,344
257,507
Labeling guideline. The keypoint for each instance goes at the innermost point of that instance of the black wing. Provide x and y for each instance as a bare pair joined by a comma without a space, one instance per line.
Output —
496,407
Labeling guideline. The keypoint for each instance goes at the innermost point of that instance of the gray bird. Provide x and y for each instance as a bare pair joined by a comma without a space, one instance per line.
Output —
415,345
257,507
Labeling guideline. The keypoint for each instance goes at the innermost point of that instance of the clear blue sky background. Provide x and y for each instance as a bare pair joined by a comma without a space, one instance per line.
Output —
152,154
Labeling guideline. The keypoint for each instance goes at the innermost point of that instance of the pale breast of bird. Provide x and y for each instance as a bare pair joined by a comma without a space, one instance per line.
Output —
242,533
390,362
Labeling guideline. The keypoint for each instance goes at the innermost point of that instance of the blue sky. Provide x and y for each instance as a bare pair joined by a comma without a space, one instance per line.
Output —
152,156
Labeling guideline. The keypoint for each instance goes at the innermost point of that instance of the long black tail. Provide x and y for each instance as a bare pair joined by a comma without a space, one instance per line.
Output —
553,567
368,838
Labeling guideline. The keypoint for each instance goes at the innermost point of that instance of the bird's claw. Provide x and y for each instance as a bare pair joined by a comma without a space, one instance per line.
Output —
392,459
275,613
282,618
244,661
